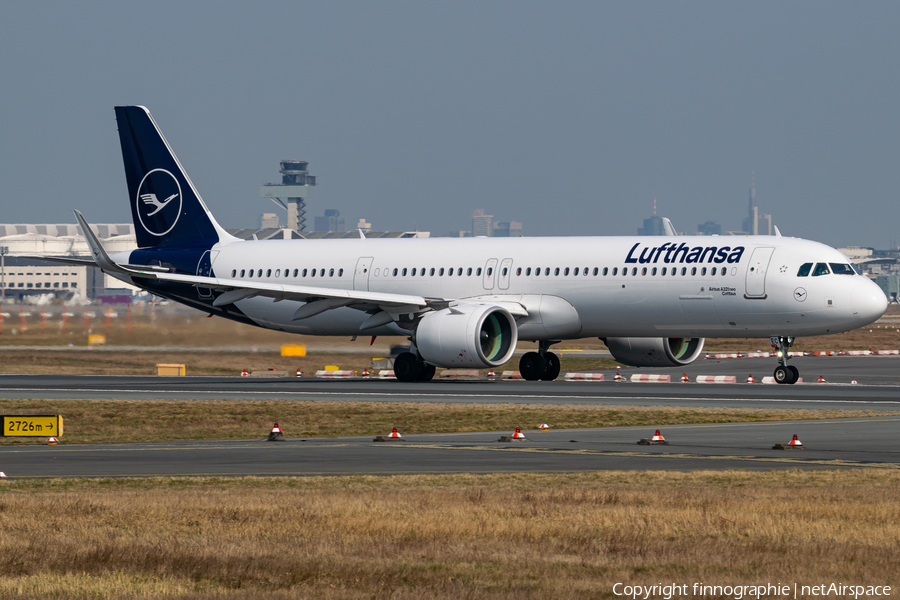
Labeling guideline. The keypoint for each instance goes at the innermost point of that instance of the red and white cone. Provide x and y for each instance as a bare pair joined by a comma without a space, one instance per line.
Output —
795,441
52,441
2,475
518,435
618,376
395,433
276,435
657,437
366,373
821,379
685,378
299,373
543,426
750,379
853,382
491,374
244,373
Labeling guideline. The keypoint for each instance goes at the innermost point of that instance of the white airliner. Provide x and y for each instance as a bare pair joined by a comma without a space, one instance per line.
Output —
465,303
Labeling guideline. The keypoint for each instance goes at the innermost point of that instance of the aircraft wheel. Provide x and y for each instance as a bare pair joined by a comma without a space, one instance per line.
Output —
407,367
531,366
795,374
427,373
551,371
782,374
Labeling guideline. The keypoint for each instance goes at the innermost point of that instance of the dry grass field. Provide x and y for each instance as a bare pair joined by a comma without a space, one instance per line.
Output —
101,421
510,536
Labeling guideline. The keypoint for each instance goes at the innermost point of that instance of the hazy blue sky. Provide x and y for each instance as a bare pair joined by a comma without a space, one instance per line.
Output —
567,116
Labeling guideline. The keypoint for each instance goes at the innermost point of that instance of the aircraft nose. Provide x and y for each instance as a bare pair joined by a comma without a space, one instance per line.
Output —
869,302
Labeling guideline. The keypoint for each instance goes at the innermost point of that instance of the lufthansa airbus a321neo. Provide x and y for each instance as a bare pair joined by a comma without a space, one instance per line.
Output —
467,302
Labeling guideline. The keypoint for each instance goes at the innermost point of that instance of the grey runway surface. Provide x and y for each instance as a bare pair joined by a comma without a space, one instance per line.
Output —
879,387
869,443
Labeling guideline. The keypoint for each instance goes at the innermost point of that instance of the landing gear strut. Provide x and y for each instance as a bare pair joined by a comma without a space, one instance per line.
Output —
409,367
784,373
542,364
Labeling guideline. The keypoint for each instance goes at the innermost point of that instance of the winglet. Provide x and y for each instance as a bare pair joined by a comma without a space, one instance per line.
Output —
668,227
777,233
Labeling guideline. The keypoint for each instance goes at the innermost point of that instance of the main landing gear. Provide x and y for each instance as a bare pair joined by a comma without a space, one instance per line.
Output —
784,373
542,364
409,367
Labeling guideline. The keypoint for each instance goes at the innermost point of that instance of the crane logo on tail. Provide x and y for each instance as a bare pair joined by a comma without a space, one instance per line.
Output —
158,216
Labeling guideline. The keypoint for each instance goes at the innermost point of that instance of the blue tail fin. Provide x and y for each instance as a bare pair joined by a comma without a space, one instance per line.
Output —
166,208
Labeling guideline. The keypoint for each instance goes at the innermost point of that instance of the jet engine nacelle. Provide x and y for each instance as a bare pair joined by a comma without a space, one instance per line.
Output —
655,352
476,336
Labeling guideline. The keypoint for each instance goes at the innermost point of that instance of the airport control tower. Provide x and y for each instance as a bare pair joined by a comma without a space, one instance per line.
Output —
296,186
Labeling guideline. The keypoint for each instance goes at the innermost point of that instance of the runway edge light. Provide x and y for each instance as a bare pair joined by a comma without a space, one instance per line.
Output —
794,444
276,435
656,440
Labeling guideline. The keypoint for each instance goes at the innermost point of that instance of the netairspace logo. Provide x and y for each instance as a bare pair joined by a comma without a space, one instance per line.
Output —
740,592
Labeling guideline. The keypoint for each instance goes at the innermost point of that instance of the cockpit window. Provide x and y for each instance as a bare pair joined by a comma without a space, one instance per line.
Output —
804,270
821,269
856,268
841,269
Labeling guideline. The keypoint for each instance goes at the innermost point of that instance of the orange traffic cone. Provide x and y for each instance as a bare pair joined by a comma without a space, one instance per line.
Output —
52,441
750,379
518,435
244,373
821,379
657,437
276,435
685,378
395,433
543,426
795,441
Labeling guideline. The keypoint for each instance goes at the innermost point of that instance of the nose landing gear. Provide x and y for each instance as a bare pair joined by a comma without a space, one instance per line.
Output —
784,373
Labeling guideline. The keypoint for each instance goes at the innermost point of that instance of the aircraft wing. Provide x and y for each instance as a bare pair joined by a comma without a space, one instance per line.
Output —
79,262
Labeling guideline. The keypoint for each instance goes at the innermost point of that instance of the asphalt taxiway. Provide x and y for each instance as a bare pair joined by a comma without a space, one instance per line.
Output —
840,443
868,443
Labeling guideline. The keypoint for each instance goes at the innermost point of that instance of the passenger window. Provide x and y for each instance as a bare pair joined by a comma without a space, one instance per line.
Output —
341,273
615,270
537,272
821,269
693,270
490,271
644,271
804,270
312,273
633,271
459,272
654,271
605,271
269,273
404,272
585,271
395,272
703,271
841,269
713,272
576,271
683,271
441,272
413,272
331,273
663,271
566,272
504,271
432,271
528,271
304,273
251,272
233,273
242,272
322,273
478,271
277,272
450,272
469,271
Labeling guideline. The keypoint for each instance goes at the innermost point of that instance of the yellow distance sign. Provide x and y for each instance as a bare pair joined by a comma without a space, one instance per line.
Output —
33,425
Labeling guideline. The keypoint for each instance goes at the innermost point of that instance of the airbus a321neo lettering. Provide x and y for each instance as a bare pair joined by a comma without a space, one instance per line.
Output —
467,302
